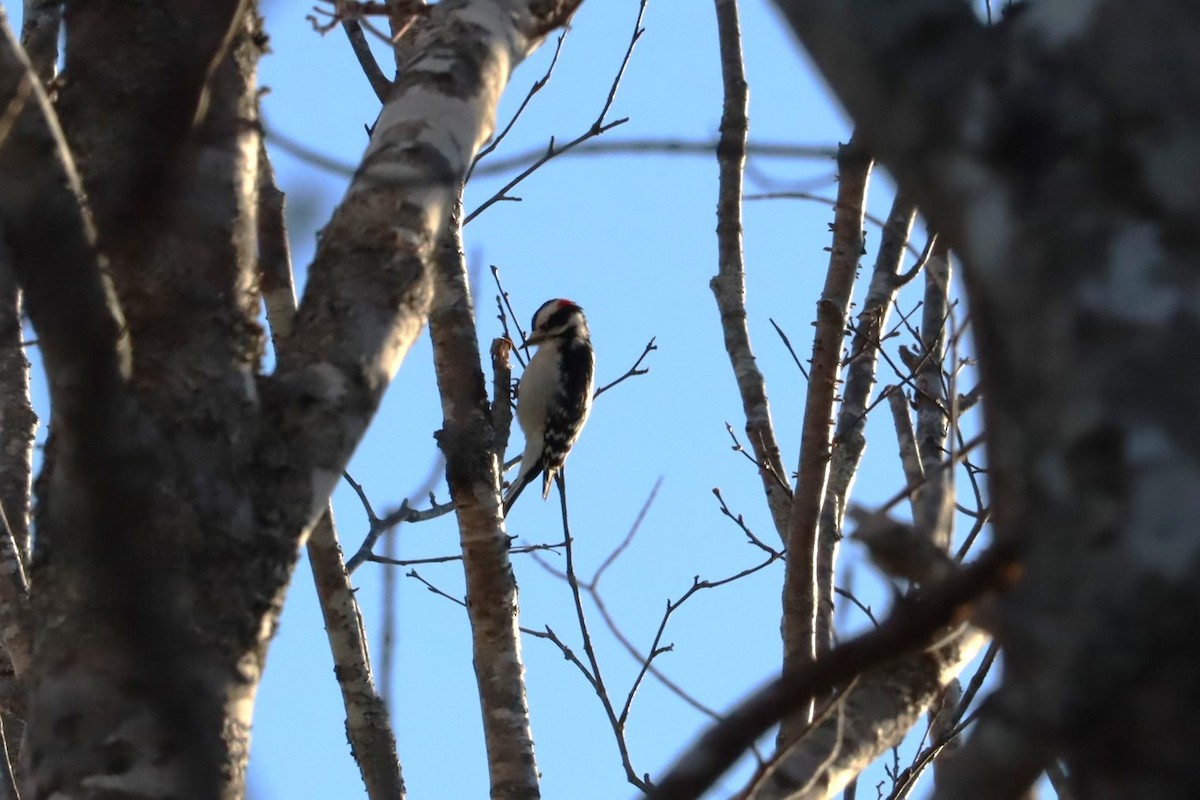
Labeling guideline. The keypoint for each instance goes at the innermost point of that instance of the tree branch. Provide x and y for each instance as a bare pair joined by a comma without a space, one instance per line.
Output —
910,628
934,506
849,440
729,285
368,729
16,410
366,59
876,713
473,474
372,741
859,716
808,592
700,148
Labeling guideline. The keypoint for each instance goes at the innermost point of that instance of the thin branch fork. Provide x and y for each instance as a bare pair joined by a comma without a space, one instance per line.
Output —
594,675
592,588
737,447
410,562
633,371
591,670
910,628
598,127
378,526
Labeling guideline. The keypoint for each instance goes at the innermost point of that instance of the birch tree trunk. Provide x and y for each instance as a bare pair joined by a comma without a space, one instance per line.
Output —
179,482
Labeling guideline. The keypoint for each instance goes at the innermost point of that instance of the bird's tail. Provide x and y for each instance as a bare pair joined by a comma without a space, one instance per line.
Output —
523,479
547,479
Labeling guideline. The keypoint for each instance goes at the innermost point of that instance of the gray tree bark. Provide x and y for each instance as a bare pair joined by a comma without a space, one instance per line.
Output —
1054,153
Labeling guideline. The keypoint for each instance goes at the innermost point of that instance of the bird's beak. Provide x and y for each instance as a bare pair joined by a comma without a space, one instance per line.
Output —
534,338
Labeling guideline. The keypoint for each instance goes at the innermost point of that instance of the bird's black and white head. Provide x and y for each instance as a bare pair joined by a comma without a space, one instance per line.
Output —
557,319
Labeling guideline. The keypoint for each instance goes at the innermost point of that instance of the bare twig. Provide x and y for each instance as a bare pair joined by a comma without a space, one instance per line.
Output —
655,147
788,344
412,573
820,198
741,523
646,660
597,128
908,629
906,780
593,589
597,680
737,448
378,526
861,606
410,562
656,647
502,303
366,59
633,371
593,585
595,148
537,86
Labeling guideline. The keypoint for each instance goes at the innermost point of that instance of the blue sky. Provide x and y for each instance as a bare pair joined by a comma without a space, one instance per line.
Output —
631,238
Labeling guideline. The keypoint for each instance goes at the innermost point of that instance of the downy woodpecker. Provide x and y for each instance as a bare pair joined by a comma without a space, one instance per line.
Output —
554,396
